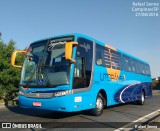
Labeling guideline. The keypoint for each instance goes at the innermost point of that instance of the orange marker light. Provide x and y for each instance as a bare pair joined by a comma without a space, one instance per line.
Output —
110,47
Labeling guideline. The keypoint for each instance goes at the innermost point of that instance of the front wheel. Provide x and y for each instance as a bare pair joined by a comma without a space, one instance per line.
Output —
98,110
142,100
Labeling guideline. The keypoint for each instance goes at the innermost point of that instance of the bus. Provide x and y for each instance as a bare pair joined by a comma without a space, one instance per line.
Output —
75,72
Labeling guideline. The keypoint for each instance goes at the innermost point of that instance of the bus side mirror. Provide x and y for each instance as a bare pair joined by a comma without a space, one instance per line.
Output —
13,57
69,50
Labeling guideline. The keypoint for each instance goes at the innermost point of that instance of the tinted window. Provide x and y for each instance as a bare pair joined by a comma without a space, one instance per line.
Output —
107,57
107,60
115,59
133,65
147,69
142,68
99,55
102,56
127,63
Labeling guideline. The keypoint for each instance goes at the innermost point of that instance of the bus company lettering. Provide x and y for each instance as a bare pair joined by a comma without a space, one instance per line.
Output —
86,47
110,77
53,44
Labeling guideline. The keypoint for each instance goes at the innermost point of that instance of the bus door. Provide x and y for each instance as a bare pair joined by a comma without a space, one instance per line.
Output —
83,71
83,66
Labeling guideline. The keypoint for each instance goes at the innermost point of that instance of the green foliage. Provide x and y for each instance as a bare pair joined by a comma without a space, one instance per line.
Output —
9,76
156,85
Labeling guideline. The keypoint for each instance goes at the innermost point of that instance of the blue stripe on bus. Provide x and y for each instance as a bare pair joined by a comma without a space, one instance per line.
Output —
131,92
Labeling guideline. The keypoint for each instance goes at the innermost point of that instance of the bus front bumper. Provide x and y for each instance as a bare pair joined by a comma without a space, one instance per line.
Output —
62,103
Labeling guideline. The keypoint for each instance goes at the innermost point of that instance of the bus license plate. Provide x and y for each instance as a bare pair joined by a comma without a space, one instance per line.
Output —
37,104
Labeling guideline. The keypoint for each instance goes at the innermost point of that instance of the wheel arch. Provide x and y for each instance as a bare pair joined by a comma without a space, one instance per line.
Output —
104,94
143,90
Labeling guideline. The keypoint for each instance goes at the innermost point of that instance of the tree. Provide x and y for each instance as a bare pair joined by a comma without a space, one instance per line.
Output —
156,84
9,76
0,35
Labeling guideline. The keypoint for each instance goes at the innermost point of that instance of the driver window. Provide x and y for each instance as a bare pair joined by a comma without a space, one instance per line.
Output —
78,68
79,77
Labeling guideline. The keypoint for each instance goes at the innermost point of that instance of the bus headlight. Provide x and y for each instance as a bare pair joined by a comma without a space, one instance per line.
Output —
21,93
63,93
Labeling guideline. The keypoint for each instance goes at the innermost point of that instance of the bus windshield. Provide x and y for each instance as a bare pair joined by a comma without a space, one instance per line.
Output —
45,64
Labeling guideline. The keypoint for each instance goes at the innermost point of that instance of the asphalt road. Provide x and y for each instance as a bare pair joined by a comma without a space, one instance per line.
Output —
113,117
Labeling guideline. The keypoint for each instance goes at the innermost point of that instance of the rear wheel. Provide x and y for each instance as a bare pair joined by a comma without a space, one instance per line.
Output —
142,100
98,110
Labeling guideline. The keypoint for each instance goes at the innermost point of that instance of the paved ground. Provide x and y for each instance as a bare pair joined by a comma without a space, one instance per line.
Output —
112,117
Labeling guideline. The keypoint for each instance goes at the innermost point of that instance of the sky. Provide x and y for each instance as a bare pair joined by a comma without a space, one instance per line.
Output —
110,21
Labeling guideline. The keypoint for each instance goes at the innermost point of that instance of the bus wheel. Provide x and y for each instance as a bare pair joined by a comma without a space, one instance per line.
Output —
98,110
142,100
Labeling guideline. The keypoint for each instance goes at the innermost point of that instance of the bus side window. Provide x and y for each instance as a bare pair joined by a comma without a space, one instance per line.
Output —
99,58
134,65
99,55
138,67
142,68
103,56
147,69
127,63
78,70
79,73
116,60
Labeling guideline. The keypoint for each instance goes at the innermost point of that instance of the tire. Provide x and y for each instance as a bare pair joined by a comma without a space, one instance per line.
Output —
98,110
142,100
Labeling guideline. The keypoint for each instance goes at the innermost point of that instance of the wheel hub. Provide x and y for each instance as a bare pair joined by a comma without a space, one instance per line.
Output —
99,104
142,98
